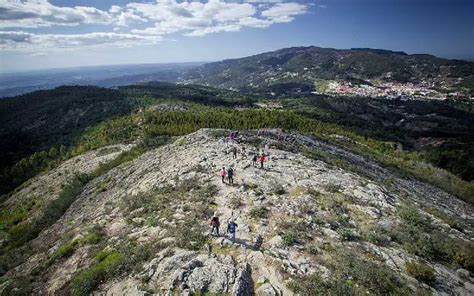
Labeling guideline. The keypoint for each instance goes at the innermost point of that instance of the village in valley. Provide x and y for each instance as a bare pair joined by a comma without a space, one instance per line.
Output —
389,90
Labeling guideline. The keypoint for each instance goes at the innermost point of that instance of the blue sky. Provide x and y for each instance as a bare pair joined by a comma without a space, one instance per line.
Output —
38,34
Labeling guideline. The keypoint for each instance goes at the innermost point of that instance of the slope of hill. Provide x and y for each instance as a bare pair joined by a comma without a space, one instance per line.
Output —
297,69
140,227
44,119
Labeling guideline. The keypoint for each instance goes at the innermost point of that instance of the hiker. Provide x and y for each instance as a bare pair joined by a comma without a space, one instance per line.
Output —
258,242
262,160
223,173
231,228
254,160
234,152
230,175
215,225
244,155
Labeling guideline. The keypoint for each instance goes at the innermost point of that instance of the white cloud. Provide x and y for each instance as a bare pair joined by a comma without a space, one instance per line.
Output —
127,18
284,12
147,22
199,19
28,41
41,13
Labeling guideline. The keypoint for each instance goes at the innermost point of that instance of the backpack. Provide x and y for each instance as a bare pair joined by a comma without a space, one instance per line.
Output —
231,227
215,221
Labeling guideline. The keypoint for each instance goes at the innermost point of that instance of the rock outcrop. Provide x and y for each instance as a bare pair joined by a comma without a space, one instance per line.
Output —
305,210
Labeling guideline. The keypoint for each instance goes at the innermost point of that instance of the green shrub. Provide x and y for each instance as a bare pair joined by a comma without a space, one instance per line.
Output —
373,276
259,213
347,234
106,266
377,235
414,219
421,272
333,188
289,239
464,255
235,203
452,222
315,285
94,235
278,190
26,231
65,250
189,235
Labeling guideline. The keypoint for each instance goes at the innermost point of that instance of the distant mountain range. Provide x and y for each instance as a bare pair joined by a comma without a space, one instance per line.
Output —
288,69
12,84
285,71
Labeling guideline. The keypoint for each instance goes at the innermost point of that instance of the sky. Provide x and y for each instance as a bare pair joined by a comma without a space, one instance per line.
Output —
41,34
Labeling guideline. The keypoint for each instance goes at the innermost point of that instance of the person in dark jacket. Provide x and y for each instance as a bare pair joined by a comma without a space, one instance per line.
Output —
215,225
232,229
230,175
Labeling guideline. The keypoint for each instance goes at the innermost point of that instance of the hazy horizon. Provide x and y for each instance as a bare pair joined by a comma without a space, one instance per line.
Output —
186,62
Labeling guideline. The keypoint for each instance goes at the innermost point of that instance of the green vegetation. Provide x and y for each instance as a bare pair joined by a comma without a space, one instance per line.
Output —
197,200
421,272
235,203
180,123
452,222
289,239
259,212
106,265
93,236
29,229
352,275
189,235
417,235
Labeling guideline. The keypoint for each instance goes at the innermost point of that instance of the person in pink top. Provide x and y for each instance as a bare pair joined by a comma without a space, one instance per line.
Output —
223,173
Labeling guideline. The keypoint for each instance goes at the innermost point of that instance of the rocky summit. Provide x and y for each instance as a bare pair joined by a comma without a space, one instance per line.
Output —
305,225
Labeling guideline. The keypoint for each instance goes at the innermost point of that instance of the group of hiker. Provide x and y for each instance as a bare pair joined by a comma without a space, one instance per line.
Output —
231,227
228,175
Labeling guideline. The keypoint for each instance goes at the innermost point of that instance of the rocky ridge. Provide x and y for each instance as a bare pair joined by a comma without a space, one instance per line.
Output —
305,209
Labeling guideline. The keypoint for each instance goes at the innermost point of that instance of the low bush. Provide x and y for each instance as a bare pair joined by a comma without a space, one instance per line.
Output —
235,203
259,213
421,272
107,264
316,285
347,234
190,235
333,188
352,275
289,239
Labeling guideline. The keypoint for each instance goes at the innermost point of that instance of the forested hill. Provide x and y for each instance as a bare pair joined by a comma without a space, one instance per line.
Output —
42,119
299,67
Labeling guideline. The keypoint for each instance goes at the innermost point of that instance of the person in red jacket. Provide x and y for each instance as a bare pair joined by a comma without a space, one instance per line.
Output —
262,160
